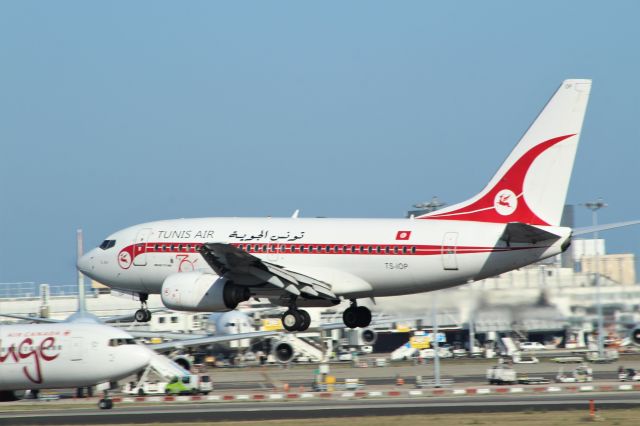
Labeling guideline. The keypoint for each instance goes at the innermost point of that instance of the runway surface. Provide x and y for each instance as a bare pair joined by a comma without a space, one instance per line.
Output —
316,409
465,372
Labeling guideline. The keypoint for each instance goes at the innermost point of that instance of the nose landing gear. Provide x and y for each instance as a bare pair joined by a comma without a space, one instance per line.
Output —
356,316
105,403
143,314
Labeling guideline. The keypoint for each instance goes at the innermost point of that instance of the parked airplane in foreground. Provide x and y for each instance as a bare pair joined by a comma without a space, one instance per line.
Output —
212,264
49,356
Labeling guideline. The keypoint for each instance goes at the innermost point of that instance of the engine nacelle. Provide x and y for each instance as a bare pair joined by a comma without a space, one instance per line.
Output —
361,337
184,361
282,351
200,292
635,335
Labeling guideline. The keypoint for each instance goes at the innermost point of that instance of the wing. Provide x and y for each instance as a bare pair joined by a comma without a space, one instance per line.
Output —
605,227
207,340
32,319
127,317
245,269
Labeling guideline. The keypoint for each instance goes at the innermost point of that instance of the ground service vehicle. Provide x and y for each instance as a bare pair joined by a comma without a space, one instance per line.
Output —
189,385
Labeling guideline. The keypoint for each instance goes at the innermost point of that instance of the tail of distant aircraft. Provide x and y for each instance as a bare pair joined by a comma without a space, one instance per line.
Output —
531,185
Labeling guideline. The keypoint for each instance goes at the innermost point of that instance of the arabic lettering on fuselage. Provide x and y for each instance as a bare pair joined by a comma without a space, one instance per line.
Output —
186,234
26,350
265,234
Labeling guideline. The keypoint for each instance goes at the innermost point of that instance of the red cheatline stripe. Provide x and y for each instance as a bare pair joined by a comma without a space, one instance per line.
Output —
332,249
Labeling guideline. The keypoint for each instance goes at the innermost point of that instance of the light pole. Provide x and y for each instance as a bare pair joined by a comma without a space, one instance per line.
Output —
434,339
594,206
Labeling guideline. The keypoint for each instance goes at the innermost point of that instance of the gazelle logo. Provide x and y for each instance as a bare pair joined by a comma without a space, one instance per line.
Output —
124,259
505,202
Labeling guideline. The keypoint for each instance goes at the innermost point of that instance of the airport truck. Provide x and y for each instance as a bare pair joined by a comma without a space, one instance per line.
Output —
192,384
501,374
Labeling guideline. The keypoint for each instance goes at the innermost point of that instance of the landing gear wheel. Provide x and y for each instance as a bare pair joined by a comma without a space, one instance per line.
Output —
291,320
105,404
364,316
350,317
141,315
306,320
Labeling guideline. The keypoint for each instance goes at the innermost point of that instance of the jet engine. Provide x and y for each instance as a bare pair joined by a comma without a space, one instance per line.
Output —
7,395
200,292
282,351
635,335
183,361
361,337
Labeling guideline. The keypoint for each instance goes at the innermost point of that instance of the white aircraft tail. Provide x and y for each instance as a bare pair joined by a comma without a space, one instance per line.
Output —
531,185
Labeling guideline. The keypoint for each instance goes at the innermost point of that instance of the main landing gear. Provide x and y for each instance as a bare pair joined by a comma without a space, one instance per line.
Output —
296,319
356,316
143,314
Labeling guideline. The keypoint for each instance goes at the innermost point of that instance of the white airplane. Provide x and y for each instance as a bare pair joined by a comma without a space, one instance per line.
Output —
233,334
212,264
49,356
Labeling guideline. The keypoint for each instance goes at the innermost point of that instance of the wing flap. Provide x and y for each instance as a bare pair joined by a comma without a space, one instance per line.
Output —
225,258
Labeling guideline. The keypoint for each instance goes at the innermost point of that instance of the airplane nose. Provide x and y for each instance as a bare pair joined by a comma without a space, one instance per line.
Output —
85,263
138,357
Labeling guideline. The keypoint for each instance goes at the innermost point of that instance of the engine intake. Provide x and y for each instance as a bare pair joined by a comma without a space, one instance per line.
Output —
635,335
200,292
361,337
282,351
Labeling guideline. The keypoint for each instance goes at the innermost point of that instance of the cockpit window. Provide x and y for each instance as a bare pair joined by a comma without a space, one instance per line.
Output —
107,244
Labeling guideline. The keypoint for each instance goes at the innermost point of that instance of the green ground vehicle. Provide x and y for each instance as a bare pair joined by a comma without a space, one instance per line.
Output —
189,385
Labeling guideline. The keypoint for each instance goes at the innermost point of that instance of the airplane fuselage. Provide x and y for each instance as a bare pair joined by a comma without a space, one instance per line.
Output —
39,356
357,257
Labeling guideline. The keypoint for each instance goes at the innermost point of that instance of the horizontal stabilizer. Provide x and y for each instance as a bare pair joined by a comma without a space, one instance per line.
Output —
517,232
598,228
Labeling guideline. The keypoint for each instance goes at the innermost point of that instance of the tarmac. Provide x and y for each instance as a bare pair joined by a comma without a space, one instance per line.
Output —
304,409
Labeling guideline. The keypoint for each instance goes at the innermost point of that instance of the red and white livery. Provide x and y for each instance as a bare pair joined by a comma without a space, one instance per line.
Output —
212,264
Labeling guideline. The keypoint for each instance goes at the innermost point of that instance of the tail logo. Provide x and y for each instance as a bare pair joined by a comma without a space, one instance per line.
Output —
505,202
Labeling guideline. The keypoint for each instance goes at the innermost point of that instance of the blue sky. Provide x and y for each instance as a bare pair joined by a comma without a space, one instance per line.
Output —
117,113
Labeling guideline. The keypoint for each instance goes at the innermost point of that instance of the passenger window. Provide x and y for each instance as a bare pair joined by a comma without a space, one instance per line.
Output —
282,248
413,250
301,249
404,250
293,249
370,249
395,250
387,249
310,249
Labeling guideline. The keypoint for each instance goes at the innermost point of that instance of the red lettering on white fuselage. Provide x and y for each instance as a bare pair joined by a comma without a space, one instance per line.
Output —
26,350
